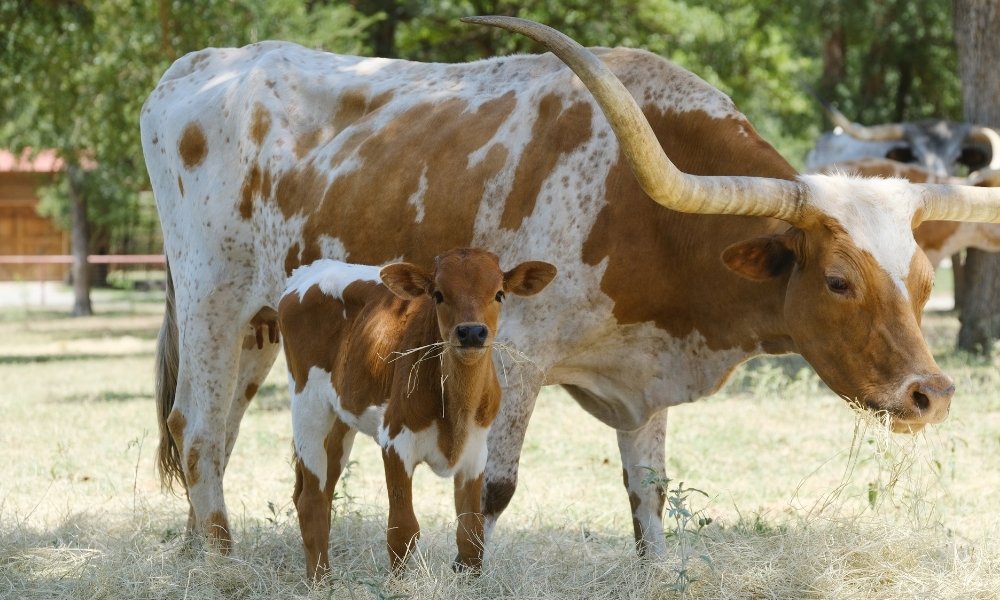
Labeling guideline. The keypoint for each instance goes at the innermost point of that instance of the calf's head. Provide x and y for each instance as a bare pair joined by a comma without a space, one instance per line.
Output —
468,288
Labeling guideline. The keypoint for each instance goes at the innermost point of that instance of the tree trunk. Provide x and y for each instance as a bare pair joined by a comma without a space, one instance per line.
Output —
79,242
958,278
976,25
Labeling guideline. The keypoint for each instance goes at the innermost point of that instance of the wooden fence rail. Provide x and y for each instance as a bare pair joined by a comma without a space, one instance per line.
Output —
94,259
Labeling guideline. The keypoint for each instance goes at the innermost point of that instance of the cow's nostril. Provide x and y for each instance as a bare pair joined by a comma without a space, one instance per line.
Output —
921,401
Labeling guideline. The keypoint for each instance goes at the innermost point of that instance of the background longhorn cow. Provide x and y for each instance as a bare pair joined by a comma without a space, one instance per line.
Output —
686,244
944,148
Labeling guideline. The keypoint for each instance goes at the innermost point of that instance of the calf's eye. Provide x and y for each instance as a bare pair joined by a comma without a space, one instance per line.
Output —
500,296
438,297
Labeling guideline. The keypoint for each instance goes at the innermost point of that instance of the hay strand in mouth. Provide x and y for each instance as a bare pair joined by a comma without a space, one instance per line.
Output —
435,350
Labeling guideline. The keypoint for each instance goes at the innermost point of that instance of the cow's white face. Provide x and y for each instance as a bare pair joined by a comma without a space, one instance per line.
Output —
857,285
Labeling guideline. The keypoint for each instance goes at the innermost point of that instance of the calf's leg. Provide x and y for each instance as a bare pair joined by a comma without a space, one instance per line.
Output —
319,462
403,531
469,536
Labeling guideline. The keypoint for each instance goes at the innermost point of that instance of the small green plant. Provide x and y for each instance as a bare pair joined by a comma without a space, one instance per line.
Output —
688,526
343,499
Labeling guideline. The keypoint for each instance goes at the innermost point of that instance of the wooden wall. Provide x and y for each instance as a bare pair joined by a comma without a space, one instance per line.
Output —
23,231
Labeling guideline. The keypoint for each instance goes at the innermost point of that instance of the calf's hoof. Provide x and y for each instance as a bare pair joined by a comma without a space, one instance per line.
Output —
460,566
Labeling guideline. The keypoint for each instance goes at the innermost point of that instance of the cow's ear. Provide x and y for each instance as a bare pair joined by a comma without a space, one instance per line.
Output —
761,258
528,278
406,281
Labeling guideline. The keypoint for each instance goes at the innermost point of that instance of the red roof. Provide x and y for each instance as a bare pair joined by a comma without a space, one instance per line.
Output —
46,161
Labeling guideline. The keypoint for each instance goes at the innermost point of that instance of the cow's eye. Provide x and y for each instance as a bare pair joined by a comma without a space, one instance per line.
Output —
838,285
500,296
438,297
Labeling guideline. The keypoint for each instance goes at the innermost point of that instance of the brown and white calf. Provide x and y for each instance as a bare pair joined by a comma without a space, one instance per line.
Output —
357,340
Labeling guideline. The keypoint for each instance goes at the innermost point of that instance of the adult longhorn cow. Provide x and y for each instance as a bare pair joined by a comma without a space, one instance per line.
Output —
686,244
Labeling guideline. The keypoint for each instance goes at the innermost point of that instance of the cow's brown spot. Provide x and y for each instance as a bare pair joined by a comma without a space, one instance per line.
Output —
251,188
180,185
300,190
557,131
307,141
354,105
644,264
192,146
447,133
191,473
251,391
217,530
260,124
176,422
497,496
292,259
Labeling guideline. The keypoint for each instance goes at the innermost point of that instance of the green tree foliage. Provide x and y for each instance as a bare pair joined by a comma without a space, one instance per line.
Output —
77,73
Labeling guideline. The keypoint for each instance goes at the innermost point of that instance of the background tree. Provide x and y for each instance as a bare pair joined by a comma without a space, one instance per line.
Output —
976,25
79,73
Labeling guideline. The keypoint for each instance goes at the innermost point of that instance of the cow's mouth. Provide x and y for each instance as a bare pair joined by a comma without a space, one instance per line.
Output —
898,422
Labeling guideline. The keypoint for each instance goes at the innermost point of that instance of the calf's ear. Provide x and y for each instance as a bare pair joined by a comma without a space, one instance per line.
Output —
406,281
761,258
528,278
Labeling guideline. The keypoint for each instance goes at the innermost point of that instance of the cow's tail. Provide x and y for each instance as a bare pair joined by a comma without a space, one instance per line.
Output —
168,457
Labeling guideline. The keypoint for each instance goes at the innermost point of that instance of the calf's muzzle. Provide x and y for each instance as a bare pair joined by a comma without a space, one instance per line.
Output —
471,335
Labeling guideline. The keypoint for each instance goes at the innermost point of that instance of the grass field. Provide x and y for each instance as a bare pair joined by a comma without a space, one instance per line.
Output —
805,498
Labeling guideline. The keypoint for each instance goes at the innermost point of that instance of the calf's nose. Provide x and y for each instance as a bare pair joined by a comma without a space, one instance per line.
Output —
471,335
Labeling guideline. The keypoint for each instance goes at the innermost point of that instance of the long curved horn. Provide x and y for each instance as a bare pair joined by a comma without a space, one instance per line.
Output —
660,179
943,202
874,133
979,133
986,177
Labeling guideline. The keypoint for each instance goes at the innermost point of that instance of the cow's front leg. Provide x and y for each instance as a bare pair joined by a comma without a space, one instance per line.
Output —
469,535
504,444
403,531
641,451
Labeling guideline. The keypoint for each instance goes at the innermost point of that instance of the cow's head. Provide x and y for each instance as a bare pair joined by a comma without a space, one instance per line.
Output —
855,282
468,288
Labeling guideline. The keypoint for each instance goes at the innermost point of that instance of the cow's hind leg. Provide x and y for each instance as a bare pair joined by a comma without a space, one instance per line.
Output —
504,443
642,453
206,376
